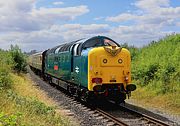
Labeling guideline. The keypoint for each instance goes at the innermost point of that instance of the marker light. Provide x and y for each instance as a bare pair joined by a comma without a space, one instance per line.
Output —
104,60
120,61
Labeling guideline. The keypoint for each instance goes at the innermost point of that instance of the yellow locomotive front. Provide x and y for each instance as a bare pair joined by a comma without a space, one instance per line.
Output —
109,72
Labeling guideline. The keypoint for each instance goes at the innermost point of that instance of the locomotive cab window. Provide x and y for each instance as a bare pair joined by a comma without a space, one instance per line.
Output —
95,42
109,42
98,41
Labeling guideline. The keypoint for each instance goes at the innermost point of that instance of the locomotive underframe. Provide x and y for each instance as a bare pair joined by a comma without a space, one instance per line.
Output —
115,92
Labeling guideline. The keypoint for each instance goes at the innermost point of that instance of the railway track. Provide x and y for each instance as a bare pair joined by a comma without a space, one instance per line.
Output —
139,119
147,119
119,116
114,120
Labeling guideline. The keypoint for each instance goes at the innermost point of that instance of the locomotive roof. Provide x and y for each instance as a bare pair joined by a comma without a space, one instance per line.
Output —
67,46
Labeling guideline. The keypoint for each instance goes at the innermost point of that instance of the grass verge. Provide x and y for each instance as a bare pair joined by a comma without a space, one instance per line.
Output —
156,71
149,97
25,105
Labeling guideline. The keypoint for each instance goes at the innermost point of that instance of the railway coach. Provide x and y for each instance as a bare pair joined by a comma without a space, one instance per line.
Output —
88,68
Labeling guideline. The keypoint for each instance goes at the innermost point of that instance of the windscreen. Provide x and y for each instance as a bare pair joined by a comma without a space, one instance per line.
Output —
109,42
99,41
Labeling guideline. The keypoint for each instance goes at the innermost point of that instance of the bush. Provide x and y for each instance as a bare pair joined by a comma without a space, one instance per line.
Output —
18,58
5,79
150,74
169,70
5,68
132,49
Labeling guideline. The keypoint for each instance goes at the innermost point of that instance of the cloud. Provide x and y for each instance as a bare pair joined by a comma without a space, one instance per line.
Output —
24,16
122,17
64,14
14,15
40,28
29,26
151,5
98,18
53,35
71,32
157,12
58,3
137,35
149,21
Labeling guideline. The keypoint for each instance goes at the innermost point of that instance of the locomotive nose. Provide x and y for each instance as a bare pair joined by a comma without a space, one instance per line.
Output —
111,64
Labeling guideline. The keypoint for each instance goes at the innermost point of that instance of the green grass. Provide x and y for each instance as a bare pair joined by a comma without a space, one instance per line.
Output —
156,71
22,104
18,110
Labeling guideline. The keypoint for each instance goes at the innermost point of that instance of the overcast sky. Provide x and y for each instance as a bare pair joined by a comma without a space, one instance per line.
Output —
42,24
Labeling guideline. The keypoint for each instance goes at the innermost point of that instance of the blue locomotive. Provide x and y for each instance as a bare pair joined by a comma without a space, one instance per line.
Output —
87,68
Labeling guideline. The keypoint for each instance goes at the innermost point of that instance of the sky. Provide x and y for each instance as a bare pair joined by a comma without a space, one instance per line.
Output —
43,24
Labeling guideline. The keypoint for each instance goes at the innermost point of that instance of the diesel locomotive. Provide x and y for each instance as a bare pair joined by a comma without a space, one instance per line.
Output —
87,68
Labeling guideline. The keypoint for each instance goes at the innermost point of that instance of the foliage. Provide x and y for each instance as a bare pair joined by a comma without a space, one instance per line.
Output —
15,109
22,111
5,81
132,49
156,72
158,62
13,59
18,58
5,67
9,120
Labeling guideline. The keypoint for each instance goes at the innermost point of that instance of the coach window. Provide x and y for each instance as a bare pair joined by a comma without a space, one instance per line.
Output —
61,49
69,46
66,48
